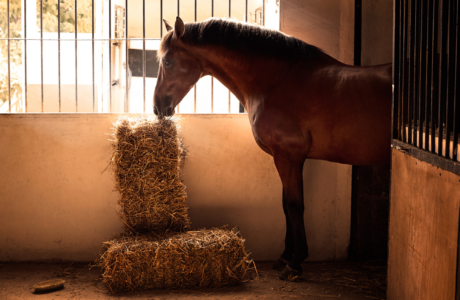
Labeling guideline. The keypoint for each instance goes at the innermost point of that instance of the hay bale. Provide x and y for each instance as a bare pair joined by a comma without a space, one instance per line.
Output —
204,258
146,160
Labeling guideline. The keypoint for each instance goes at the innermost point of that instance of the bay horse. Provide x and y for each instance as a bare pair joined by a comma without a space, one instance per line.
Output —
301,103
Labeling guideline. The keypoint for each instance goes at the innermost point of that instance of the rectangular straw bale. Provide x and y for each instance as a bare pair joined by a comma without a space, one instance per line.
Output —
146,160
205,258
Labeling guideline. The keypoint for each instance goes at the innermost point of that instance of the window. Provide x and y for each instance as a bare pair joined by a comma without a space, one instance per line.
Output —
100,55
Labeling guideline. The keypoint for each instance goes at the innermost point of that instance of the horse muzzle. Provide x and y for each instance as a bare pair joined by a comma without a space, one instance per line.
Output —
164,112
163,106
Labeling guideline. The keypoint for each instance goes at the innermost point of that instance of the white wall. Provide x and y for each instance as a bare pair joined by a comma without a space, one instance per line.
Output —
56,201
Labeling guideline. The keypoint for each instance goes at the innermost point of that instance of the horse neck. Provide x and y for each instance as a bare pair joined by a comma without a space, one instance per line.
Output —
246,75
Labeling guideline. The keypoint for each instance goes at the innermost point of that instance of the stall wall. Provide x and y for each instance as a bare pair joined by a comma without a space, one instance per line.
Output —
57,199
424,219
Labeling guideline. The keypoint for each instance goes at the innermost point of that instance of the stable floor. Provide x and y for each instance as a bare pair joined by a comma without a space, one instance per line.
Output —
360,281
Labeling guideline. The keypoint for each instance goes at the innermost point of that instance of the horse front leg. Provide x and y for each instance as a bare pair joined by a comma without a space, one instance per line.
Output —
290,171
288,241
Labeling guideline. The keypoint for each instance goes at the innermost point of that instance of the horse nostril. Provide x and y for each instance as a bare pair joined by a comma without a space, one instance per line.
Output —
155,111
170,111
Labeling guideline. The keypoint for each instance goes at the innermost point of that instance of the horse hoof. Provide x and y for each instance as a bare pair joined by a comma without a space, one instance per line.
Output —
289,274
280,264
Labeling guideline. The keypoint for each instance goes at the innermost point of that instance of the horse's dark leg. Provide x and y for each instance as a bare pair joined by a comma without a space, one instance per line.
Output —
288,241
290,171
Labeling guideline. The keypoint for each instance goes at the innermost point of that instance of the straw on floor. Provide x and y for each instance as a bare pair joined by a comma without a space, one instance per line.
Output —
146,159
205,258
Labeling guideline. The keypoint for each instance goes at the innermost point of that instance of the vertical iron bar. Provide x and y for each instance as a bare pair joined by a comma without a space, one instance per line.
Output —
246,12
59,53
212,94
416,53
92,52
442,73
263,12
161,18
9,67
405,77
451,75
76,58
435,82
110,56
429,72
126,104
411,73
422,66
455,114
178,14
144,60
25,54
194,88
396,48
421,69
229,93
241,108
41,48
399,62
212,78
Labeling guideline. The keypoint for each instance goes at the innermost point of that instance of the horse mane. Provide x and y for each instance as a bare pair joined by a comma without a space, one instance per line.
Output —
245,37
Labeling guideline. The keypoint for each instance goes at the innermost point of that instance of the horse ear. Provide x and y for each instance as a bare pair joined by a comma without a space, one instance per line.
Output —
179,28
168,26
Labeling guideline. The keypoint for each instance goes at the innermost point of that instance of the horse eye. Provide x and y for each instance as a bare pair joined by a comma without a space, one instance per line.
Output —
166,63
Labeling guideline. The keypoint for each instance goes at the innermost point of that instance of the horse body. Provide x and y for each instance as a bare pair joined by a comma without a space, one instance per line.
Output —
309,106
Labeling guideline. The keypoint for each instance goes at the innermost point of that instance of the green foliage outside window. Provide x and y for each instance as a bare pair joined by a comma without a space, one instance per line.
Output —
50,13
15,51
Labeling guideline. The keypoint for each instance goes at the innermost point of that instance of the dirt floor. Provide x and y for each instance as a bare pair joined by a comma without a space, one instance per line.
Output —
360,281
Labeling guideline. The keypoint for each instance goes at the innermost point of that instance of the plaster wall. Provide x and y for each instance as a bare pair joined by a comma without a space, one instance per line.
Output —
56,201
328,25
377,32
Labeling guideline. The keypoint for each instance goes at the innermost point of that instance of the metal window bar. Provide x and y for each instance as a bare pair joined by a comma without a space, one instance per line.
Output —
442,73
212,78
25,56
230,93
127,79
451,75
144,59
92,53
110,57
422,75
429,71
434,82
194,87
41,48
9,58
410,91
126,39
76,56
59,53
178,14
426,76
396,74
455,107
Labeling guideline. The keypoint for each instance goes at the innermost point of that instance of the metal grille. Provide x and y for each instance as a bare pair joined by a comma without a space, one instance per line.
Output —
426,76
93,63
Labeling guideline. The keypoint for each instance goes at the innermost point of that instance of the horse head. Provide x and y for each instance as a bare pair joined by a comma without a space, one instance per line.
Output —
178,72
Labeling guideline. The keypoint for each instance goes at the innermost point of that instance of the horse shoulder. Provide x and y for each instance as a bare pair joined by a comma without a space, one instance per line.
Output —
274,133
